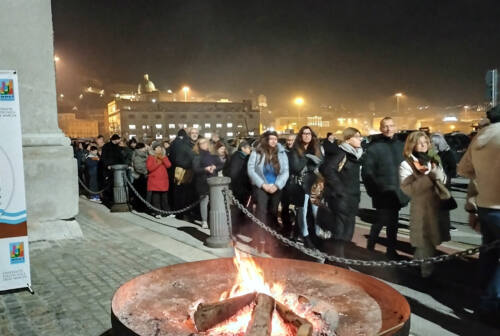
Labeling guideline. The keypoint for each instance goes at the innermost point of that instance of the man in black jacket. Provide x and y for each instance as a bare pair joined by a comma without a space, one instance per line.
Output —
181,156
380,176
111,155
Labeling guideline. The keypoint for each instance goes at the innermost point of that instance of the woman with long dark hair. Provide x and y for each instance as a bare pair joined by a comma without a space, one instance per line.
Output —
268,172
305,158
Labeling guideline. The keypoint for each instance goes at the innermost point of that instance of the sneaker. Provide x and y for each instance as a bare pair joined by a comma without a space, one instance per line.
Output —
171,216
204,225
158,216
452,228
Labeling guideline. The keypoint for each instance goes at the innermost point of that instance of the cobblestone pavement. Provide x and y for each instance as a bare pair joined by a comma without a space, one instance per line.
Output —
74,281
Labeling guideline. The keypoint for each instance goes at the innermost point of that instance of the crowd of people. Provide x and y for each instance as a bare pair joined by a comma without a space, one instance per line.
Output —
309,189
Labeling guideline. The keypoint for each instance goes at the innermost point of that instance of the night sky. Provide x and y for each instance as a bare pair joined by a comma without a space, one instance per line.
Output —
333,52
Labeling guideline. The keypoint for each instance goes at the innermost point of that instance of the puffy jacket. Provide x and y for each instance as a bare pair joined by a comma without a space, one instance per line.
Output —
255,168
158,176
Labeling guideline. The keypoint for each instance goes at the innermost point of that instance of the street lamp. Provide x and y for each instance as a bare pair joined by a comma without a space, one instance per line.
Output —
398,95
186,90
299,101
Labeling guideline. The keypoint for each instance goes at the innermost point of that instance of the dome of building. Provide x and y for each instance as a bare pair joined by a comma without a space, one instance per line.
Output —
146,86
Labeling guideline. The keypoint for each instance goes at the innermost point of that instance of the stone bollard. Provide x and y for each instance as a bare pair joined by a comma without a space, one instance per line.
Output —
120,199
218,218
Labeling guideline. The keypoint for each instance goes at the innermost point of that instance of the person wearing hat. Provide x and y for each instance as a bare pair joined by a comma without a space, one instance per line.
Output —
157,164
111,155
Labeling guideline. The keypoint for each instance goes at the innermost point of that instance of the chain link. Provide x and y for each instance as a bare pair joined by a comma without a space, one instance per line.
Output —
90,191
151,207
315,253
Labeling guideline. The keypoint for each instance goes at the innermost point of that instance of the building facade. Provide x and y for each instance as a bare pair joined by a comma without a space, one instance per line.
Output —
148,120
77,128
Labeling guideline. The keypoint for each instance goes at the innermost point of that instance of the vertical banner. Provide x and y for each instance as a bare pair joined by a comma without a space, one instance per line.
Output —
14,256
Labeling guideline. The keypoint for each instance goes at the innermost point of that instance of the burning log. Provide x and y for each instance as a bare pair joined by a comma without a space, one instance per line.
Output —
208,315
260,324
304,327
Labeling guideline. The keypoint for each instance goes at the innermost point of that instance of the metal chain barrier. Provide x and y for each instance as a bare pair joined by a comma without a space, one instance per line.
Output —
90,191
151,207
356,262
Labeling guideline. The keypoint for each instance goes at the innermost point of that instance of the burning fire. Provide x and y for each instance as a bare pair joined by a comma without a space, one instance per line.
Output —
251,279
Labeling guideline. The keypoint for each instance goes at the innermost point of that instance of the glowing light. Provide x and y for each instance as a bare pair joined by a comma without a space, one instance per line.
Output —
56,58
399,94
450,118
299,101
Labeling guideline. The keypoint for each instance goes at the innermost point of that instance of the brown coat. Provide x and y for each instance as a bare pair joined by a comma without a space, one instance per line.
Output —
428,224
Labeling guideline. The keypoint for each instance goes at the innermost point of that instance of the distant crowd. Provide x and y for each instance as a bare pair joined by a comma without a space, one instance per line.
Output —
309,189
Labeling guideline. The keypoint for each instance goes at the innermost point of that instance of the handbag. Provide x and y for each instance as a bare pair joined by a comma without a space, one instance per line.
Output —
447,202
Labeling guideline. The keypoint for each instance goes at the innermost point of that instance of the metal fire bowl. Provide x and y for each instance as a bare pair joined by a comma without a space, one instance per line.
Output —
158,302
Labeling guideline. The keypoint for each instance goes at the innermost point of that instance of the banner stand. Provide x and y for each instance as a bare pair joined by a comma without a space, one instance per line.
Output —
14,248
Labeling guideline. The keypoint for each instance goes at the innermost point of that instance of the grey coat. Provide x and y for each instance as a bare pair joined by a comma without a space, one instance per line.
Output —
139,158
255,168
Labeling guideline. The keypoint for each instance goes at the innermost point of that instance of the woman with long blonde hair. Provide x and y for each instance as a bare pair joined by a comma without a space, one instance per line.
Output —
419,174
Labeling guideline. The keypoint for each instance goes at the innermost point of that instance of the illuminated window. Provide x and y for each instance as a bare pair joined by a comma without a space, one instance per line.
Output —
158,126
239,126
207,135
207,125
196,126
218,125
143,126
171,126
131,126
229,133
131,136
171,136
229,125
159,136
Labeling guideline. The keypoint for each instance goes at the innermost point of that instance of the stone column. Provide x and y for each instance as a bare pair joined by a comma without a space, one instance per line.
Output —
218,216
49,167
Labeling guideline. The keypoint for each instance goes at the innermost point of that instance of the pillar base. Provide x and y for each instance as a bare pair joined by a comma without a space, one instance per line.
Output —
216,242
122,207
54,230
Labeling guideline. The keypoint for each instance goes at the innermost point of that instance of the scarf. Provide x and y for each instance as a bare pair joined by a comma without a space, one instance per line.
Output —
357,152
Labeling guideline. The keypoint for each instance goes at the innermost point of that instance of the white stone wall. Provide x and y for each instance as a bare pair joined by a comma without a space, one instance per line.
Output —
50,169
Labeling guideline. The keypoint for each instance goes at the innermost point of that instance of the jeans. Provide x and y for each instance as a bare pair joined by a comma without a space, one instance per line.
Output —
489,264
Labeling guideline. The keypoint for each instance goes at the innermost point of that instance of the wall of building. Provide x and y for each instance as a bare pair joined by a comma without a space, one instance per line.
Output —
147,120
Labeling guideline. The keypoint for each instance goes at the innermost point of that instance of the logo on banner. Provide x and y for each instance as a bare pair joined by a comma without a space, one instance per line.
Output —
6,89
16,253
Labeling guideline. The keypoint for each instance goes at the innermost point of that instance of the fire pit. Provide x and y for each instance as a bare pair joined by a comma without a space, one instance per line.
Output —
333,300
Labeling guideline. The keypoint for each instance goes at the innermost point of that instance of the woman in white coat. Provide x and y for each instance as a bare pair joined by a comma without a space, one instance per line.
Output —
418,175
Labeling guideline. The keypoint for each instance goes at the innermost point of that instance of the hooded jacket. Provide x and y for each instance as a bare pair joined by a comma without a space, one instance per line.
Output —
482,163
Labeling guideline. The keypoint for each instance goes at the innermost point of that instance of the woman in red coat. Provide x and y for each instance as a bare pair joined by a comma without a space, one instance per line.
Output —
157,165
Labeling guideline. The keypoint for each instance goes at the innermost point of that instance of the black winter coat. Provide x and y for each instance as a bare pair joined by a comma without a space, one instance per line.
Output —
111,155
449,165
237,171
342,192
380,173
302,176
201,175
181,153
